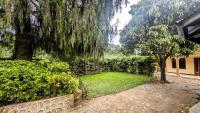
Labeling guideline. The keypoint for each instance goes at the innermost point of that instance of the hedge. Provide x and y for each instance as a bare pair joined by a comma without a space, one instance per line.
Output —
137,65
23,81
83,67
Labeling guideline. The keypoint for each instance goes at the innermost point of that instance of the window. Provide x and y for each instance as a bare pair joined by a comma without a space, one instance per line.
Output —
182,63
173,63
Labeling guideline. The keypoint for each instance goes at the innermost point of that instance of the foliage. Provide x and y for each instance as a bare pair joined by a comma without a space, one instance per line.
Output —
136,65
162,44
131,64
84,89
58,67
5,52
153,27
6,45
112,82
148,13
65,28
113,49
85,66
62,84
23,81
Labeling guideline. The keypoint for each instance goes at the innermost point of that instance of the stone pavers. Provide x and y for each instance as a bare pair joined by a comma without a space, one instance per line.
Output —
176,97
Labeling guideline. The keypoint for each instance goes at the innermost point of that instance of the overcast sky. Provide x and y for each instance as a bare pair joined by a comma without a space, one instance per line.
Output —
123,18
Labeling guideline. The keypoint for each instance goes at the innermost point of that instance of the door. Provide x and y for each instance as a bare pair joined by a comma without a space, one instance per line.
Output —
197,66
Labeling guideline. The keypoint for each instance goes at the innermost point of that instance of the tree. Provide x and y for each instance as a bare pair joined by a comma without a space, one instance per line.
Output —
113,49
149,13
148,17
162,44
67,28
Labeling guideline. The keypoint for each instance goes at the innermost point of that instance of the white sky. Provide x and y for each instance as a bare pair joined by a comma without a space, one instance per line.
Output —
122,18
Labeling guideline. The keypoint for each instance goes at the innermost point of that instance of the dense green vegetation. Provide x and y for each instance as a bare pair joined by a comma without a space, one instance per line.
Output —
78,31
64,28
112,82
22,81
152,29
133,64
130,64
162,44
113,51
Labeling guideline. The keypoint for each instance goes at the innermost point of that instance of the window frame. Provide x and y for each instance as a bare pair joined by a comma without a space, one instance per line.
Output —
173,63
182,63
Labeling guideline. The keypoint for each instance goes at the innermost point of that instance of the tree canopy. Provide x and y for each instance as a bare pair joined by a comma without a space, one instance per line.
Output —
153,30
149,13
162,44
66,28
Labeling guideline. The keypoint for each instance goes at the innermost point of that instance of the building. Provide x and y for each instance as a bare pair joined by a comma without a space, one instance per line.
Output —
184,65
189,28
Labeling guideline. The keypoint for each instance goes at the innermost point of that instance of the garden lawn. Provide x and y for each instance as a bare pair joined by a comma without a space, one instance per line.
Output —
112,82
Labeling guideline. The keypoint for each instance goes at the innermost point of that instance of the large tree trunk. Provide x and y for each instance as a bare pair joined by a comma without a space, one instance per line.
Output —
163,72
24,47
23,31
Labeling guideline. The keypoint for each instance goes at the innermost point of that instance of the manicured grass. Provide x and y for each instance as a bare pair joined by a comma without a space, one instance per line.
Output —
112,82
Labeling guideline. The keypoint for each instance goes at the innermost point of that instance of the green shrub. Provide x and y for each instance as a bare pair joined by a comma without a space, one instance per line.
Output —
62,84
82,67
58,67
137,65
22,81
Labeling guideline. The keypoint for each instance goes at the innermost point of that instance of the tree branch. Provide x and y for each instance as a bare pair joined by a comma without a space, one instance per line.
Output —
37,6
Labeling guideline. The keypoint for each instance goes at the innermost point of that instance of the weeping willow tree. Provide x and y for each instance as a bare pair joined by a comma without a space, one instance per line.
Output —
66,28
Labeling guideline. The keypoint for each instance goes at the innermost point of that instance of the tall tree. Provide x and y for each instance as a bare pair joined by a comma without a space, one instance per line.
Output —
162,44
67,28
148,25
149,13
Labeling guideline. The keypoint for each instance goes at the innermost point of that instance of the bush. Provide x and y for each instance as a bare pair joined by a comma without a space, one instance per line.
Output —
62,84
82,67
58,67
22,81
137,65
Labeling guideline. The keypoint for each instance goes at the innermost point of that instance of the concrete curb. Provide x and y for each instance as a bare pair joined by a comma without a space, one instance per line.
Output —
195,108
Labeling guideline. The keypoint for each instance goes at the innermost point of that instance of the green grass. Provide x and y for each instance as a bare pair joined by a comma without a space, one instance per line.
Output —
112,82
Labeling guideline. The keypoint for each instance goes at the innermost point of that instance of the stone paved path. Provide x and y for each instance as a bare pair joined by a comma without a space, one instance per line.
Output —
175,97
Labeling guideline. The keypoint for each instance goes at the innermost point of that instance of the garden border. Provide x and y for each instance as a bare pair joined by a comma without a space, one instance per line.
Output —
51,105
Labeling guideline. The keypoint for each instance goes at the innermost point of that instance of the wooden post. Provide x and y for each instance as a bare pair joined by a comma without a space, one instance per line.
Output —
166,68
177,66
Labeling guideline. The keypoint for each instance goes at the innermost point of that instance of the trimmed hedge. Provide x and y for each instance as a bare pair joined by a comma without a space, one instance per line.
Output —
23,81
137,65
83,67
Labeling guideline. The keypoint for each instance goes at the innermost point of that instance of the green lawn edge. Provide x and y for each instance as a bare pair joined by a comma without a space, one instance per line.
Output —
112,82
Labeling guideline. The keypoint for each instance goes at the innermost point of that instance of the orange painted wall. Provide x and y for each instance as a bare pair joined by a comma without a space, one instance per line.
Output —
189,64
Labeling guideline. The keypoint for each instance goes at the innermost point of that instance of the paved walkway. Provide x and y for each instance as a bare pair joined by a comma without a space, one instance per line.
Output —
176,97
185,76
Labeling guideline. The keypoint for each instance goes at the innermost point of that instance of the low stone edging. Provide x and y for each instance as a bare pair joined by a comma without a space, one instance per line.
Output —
52,105
195,108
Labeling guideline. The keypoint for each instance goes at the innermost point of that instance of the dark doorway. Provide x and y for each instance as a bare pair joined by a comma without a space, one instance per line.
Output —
197,66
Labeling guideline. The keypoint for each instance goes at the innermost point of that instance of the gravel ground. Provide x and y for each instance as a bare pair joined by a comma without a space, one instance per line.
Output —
176,97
